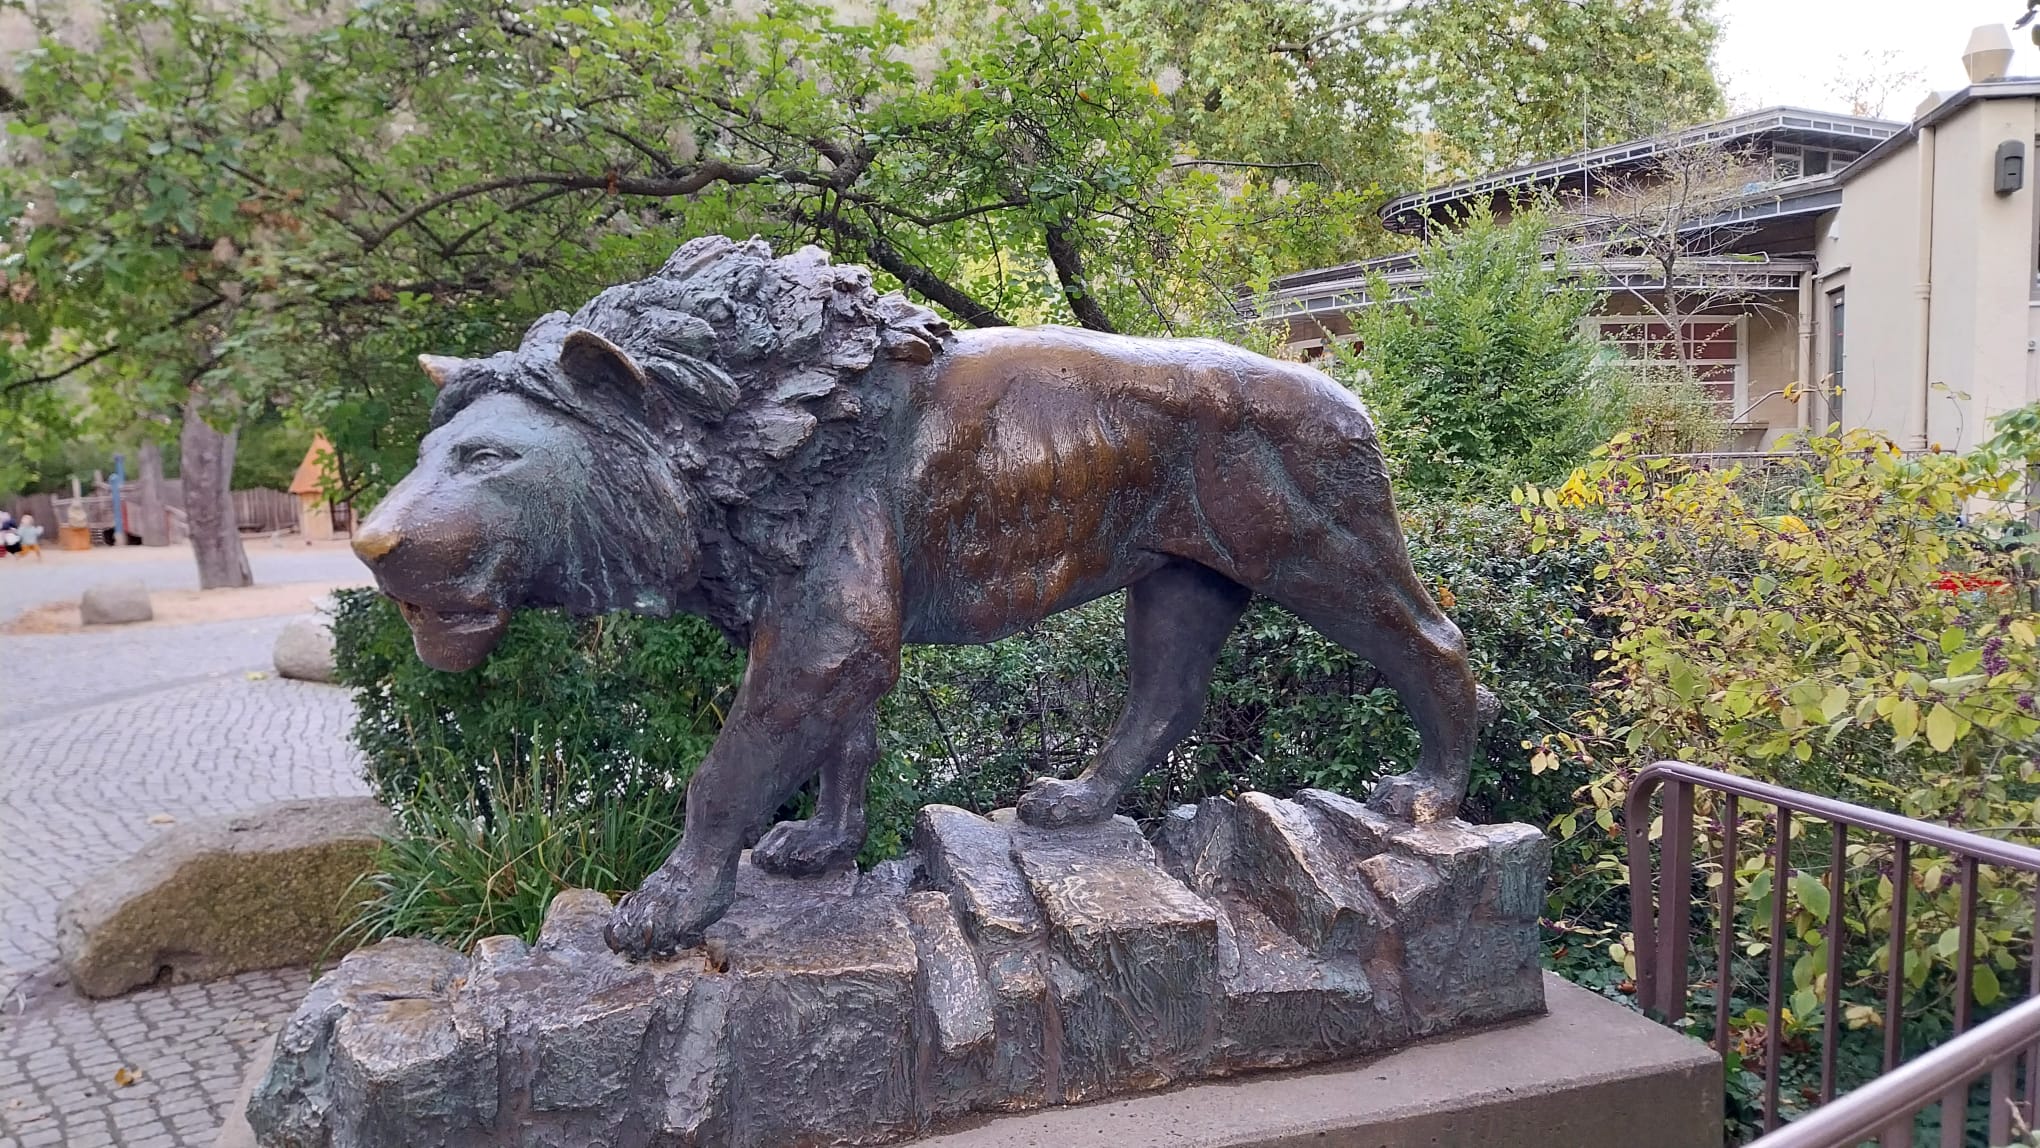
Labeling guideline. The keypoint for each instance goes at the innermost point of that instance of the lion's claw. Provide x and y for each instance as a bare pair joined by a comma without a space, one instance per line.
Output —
666,914
1051,802
1411,797
806,848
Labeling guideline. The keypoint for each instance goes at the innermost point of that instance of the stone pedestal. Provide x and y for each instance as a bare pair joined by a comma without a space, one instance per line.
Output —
997,968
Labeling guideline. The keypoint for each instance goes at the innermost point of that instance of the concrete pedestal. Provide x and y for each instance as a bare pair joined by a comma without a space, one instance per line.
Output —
1588,1074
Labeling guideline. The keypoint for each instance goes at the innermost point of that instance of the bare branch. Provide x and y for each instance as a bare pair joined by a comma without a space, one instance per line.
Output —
654,187
1244,163
961,213
914,275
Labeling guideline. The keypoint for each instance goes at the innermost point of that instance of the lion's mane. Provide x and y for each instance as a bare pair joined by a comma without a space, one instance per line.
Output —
761,404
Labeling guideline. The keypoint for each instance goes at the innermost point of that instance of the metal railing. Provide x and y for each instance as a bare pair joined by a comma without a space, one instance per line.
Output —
1885,1108
1661,919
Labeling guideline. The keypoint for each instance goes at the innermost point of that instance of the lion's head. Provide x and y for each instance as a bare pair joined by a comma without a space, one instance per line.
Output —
670,446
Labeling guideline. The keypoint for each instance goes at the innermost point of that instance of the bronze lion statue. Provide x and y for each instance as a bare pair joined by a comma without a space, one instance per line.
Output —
827,474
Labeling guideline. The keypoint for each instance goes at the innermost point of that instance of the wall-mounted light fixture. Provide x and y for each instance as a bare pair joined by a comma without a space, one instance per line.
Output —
2009,173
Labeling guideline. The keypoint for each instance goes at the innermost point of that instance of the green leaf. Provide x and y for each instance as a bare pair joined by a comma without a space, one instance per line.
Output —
1949,942
1804,1003
1943,727
1984,984
1812,894
1905,719
1835,703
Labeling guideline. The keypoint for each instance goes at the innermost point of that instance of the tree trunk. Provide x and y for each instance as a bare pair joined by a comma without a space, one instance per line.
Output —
149,512
209,504
1068,259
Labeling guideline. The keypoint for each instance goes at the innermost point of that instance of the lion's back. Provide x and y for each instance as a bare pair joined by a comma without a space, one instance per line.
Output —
1206,382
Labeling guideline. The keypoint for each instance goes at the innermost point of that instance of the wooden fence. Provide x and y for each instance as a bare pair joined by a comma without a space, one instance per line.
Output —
256,511
265,511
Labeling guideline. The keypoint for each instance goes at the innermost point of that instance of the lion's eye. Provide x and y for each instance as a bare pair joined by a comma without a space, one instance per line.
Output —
483,456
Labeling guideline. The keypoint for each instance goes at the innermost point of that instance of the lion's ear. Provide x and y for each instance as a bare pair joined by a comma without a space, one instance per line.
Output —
593,361
440,369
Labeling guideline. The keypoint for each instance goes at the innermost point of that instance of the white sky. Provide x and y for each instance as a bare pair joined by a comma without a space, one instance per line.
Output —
1795,51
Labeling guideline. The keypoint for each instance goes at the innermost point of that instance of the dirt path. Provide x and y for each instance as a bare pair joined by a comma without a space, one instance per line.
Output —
184,607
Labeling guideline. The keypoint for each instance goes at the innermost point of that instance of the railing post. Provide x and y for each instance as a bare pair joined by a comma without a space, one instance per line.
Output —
1675,900
1781,883
1643,915
1894,989
1724,942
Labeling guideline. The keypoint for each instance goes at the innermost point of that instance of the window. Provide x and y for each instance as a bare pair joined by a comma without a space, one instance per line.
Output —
1835,360
1715,349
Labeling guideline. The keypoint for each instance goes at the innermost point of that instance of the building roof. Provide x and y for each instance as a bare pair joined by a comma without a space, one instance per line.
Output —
1786,123
1333,290
2012,87
310,473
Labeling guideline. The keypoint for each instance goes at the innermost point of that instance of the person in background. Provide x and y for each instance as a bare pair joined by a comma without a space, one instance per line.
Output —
29,536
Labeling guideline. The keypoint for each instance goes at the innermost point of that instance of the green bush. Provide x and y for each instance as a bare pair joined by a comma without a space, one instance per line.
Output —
616,707
1485,377
1288,708
597,725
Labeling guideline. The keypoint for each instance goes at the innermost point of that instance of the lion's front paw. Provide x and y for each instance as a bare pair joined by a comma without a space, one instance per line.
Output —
667,913
805,848
1051,803
1411,797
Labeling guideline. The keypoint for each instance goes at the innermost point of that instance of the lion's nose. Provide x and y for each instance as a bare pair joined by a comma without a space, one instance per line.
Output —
373,543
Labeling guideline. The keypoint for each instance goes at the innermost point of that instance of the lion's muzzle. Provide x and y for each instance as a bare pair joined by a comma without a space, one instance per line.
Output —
453,640
424,566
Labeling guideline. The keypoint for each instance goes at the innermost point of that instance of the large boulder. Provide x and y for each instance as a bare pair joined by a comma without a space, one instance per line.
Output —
304,650
113,603
265,889
997,968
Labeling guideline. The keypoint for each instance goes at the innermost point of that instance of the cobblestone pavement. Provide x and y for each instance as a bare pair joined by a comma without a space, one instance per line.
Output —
45,676
188,1049
150,724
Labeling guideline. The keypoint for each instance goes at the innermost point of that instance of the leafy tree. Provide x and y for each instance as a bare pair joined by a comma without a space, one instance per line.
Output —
217,208
1485,378
1505,82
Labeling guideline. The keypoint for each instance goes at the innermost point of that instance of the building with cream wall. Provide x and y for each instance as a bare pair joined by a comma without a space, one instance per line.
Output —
1937,320
1837,321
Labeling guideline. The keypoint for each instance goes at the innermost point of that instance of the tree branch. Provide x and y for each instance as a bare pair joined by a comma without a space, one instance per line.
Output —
930,285
110,349
1244,163
655,187
960,213
1069,268
664,161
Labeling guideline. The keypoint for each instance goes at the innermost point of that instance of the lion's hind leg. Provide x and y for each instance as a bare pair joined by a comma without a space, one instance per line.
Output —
1177,619
833,837
1362,593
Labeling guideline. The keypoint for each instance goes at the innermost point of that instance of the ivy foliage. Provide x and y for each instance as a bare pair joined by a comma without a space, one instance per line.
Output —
1859,624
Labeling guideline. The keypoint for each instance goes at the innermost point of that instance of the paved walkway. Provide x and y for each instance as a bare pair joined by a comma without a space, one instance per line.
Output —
24,582
110,734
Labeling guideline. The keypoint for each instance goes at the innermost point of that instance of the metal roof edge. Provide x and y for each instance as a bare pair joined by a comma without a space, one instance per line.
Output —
1749,123
2005,89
